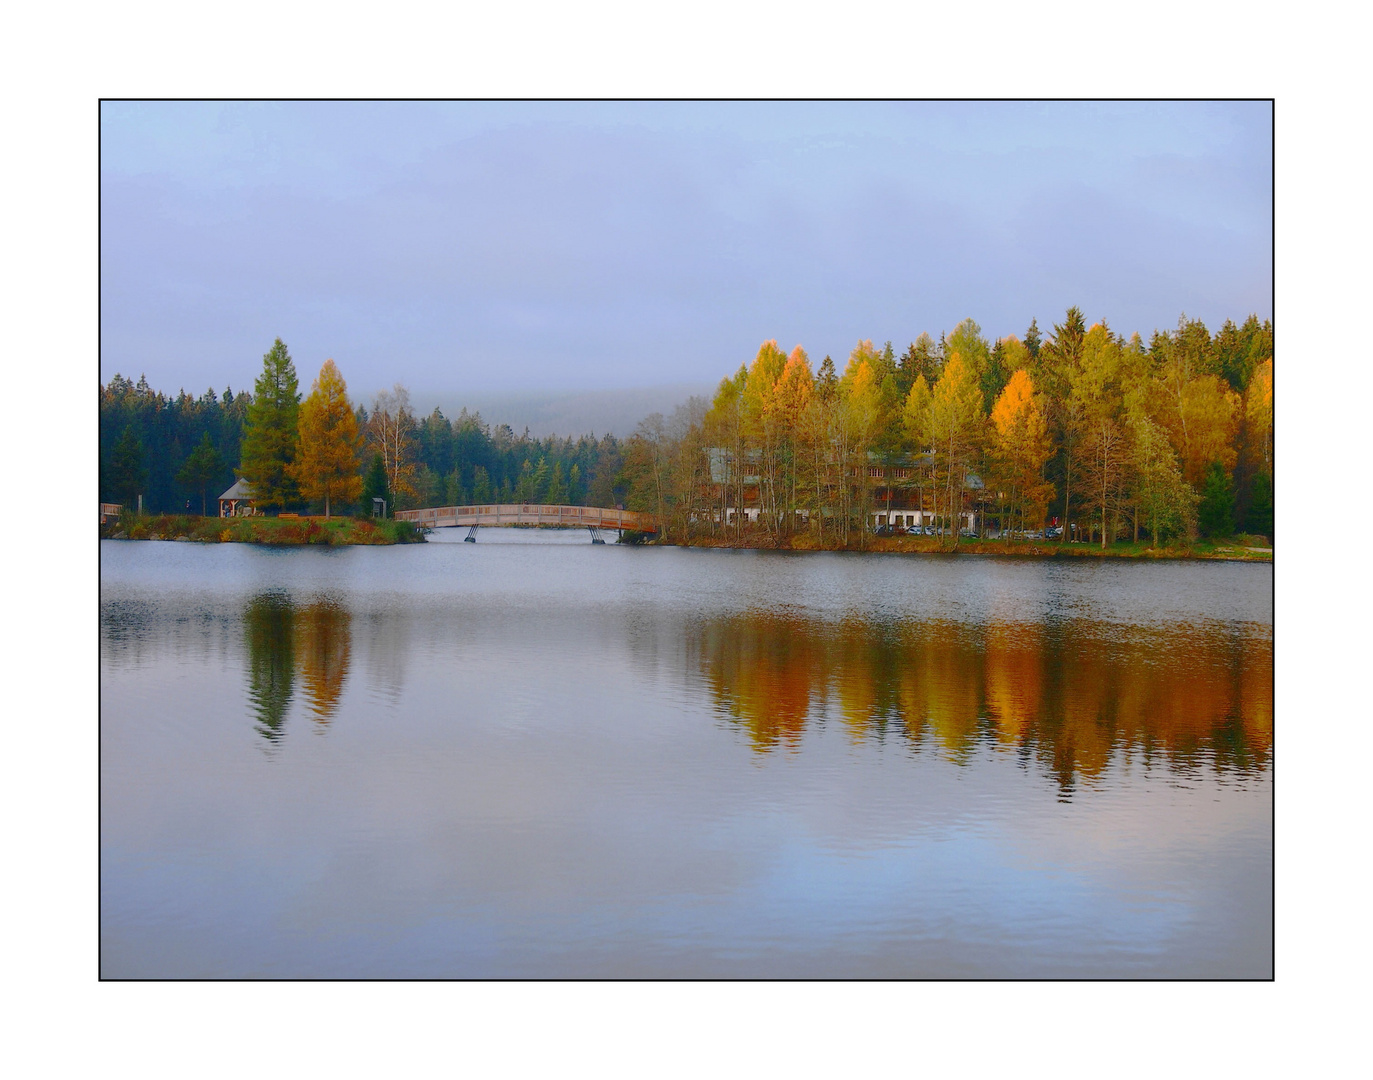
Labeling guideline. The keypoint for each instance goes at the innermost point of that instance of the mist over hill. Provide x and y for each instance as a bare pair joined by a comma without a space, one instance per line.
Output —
566,413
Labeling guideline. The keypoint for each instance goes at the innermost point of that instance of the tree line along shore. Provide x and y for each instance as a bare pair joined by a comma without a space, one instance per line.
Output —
1081,437
1036,442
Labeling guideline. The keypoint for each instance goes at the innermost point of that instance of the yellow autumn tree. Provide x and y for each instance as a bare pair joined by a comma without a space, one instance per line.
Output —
760,419
1020,447
858,417
1209,424
326,466
956,432
915,437
1258,409
1097,386
791,401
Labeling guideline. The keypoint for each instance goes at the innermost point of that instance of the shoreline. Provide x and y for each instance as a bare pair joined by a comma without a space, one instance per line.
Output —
293,531
1205,550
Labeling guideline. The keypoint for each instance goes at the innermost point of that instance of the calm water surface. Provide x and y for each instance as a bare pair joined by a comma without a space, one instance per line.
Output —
532,756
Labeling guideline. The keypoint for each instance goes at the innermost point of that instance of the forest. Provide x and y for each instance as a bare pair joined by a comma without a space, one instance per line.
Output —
181,452
1081,434
1084,434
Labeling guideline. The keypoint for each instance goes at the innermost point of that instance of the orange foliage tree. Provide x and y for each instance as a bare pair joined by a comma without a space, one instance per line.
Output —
1020,447
1209,422
326,466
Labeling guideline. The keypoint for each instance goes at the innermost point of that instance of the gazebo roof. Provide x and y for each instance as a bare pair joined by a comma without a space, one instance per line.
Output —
241,490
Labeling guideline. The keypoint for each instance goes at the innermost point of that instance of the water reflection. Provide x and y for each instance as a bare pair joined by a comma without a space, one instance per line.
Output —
324,647
578,762
387,633
269,623
1068,694
284,640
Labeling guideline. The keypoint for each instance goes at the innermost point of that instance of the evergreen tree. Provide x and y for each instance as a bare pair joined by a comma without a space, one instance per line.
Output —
541,477
826,381
907,370
887,364
128,470
557,488
1215,512
375,486
482,490
995,376
1259,519
526,489
270,438
203,465
1060,360
436,442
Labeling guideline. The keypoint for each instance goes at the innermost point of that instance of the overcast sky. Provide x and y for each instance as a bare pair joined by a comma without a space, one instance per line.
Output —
495,247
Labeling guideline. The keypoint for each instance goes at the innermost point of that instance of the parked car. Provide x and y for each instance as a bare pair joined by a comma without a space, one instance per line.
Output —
1053,532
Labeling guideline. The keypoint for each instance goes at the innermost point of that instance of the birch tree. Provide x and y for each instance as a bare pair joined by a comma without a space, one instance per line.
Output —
391,433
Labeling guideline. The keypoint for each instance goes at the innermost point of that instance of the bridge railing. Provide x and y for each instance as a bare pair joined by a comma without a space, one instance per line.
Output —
529,514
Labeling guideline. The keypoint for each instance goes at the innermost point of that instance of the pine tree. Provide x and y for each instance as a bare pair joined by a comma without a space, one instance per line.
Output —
1061,359
375,486
1259,519
557,489
826,381
482,490
200,468
1215,513
327,466
270,437
128,469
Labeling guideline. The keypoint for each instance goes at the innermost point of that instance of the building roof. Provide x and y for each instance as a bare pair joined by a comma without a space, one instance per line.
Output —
241,490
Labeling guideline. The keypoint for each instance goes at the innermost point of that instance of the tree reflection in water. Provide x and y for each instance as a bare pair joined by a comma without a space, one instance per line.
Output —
1073,696
313,640
269,627
323,649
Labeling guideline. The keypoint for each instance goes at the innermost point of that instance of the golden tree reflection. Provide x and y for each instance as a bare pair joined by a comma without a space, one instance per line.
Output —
324,647
286,641
764,672
1075,696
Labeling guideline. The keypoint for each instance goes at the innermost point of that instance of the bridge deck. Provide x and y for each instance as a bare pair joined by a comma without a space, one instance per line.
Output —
439,517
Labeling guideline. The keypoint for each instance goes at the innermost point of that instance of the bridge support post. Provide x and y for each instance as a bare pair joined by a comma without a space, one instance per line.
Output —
471,537
595,534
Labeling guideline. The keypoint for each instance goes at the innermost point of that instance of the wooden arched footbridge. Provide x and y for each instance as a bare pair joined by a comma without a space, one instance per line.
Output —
592,518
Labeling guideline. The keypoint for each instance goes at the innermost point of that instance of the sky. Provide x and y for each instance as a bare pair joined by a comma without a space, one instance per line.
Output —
486,248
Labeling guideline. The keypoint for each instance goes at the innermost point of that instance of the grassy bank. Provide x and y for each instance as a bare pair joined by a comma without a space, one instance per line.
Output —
334,532
1240,548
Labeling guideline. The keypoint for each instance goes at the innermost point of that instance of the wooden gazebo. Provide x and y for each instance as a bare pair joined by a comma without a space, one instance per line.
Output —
237,501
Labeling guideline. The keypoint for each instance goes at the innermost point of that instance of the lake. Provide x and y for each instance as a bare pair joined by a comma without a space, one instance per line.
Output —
533,756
